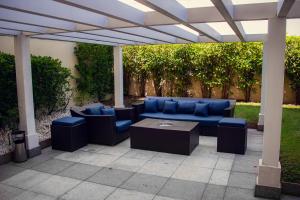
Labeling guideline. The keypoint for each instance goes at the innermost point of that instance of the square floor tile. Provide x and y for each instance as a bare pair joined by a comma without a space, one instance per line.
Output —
93,148
80,171
163,198
128,164
169,158
114,150
193,173
100,160
207,141
89,191
27,179
140,154
245,163
51,152
28,195
214,192
53,166
239,193
9,170
224,164
201,161
125,143
219,177
122,194
8,192
144,183
111,177
207,151
55,186
34,161
76,156
159,168
186,190
242,180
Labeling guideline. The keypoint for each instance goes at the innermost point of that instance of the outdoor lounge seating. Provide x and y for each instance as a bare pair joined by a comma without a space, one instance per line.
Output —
232,136
68,133
206,111
107,126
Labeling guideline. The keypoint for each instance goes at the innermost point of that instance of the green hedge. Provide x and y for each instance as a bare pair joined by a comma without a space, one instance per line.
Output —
51,88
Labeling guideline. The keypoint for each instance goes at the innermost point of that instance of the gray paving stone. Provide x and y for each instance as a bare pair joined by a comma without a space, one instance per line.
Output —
27,179
219,177
34,161
145,183
80,171
245,163
111,177
242,180
89,191
122,194
55,186
9,170
51,152
53,166
8,192
180,189
239,194
28,195
163,198
214,192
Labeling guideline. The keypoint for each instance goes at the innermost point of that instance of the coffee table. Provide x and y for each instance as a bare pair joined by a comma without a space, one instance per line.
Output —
179,137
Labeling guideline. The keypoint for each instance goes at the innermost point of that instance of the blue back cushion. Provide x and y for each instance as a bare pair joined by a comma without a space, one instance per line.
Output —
201,109
150,105
161,103
217,107
170,107
108,111
96,110
186,107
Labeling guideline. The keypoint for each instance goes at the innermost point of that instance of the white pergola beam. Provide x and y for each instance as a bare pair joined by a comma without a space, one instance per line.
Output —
9,32
23,27
175,11
225,7
284,6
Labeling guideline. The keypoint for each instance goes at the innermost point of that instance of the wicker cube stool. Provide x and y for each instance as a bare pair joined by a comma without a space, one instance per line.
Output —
69,133
232,135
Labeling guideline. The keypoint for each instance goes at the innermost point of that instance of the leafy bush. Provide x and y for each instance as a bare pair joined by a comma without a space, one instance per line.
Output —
51,89
95,68
292,64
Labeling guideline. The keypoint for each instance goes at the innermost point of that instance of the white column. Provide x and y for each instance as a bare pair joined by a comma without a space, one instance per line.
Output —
269,170
25,95
260,123
118,77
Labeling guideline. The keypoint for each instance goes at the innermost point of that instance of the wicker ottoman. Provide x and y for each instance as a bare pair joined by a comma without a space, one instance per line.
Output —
232,135
68,133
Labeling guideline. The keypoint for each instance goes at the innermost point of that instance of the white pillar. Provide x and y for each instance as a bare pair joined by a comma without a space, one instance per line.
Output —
25,95
269,170
118,77
260,123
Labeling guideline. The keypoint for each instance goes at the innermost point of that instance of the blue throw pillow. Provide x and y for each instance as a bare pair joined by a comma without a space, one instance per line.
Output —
217,107
108,111
170,107
201,109
161,102
186,107
150,105
93,110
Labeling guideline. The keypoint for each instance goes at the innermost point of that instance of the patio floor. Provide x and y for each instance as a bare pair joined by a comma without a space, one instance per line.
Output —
120,173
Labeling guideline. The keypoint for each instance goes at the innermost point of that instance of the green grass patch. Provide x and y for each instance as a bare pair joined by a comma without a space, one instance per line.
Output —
290,137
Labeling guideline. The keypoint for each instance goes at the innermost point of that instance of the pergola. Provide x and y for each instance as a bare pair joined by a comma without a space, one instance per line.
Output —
141,22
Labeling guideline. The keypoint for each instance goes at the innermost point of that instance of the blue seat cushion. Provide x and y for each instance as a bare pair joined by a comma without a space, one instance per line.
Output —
160,102
108,111
233,122
95,110
216,107
123,125
170,107
186,106
201,109
68,121
150,105
204,121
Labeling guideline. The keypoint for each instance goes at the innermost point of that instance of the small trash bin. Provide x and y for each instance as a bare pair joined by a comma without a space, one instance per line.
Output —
19,154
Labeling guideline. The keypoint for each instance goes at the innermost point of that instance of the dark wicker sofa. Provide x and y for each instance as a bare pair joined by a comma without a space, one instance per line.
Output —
106,129
208,125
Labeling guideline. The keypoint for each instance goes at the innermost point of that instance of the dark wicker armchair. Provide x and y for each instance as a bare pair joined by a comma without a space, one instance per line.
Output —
107,129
